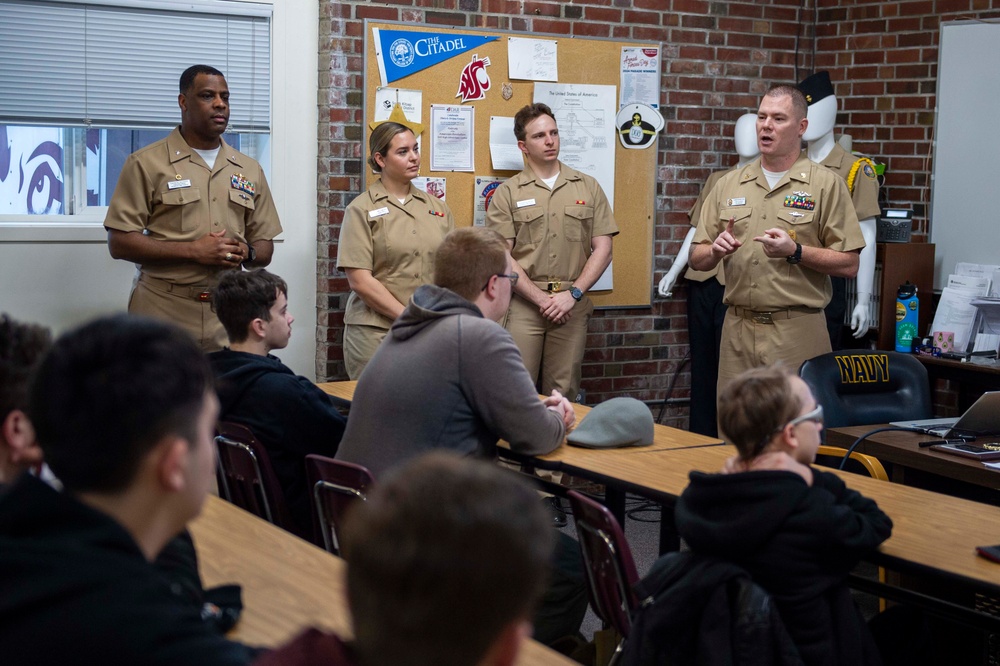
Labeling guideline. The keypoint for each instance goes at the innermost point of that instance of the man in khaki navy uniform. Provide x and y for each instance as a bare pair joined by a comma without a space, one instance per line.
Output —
559,225
782,224
859,174
189,207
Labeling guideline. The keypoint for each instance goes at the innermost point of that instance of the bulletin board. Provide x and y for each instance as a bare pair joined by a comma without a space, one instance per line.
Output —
581,61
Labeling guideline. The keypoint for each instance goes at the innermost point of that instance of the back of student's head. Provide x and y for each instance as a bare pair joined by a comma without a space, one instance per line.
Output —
446,553
754,406
108,392
242,296
467,258
21,348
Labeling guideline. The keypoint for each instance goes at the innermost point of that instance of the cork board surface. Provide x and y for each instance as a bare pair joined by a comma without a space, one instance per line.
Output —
584,61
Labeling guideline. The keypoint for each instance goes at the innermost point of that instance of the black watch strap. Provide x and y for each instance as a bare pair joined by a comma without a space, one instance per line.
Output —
251,254
796,257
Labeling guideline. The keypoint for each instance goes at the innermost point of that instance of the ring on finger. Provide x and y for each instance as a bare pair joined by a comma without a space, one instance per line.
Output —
229,256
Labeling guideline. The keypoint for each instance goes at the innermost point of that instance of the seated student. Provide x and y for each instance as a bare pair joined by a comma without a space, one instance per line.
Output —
447,375
796,530
21,348
286,412
124,411
446,562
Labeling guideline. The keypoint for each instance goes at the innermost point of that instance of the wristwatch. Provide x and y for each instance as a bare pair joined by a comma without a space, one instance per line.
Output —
575,293
796,257
251,254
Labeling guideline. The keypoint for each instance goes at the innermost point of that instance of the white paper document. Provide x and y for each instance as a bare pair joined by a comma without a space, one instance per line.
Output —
955,313
532,59
504,153
484,186
434,186
452,137
640,76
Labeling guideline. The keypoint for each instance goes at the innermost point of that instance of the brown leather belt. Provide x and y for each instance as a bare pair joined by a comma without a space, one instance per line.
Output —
768,317
199,292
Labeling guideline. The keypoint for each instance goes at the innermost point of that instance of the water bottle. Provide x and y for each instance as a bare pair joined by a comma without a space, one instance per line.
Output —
907,312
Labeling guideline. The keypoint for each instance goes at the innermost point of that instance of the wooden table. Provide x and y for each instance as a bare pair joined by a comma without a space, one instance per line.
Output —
288,584
574,460
916,466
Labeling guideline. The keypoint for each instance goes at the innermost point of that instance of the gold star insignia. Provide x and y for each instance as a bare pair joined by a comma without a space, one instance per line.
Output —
397,116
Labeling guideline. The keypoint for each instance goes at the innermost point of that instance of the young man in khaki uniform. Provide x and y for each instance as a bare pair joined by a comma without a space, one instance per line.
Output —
782,224
558,225
189,207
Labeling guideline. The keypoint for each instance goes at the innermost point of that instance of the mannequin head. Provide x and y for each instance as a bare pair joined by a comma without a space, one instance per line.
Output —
818,90
745,136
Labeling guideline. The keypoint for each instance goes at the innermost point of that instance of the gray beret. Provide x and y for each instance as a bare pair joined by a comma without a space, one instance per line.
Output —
613,423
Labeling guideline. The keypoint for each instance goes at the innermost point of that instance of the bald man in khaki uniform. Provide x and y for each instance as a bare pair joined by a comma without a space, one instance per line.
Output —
559,225
184,222
782,224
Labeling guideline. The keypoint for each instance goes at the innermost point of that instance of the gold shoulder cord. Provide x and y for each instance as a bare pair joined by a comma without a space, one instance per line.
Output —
852,176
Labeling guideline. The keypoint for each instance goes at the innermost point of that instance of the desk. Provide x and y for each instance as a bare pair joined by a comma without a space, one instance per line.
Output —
574,460
915,466
973,376
288,584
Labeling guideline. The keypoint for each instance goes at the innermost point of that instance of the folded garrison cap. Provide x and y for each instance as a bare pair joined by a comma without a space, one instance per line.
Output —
613,423
816,87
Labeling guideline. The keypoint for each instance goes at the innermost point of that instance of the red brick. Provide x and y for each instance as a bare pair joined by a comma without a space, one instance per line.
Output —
612,15
541,9
552,27
592,29
376,12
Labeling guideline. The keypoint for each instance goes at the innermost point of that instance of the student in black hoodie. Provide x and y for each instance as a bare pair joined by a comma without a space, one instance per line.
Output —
287,413
796,530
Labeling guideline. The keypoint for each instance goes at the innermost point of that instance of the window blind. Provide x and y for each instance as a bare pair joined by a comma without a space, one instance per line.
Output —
83,64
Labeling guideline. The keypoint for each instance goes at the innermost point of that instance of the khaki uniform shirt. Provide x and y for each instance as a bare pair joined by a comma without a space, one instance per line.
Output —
395,241
694,214
865,193
551,229
810,202
167,191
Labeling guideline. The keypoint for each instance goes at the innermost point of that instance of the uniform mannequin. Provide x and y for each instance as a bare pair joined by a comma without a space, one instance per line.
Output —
864,192
706,311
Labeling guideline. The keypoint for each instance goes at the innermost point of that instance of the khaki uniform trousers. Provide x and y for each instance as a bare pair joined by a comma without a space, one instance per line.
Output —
747,344
180,305
552,353
360,343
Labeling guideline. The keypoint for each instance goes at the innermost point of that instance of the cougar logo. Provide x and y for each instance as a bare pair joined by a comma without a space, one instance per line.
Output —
474,81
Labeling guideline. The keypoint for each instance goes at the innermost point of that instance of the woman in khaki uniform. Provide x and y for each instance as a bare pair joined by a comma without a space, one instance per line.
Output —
387,243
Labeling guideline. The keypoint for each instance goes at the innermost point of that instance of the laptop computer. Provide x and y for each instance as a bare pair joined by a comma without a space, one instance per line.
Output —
982,418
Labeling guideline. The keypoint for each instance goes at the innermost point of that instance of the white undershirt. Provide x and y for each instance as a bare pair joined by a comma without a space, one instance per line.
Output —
208,155
549,182
773,176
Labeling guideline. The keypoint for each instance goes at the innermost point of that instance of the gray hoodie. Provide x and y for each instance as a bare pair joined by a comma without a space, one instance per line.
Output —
445,377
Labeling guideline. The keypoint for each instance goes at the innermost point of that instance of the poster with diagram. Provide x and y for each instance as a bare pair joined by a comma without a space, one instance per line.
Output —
586,118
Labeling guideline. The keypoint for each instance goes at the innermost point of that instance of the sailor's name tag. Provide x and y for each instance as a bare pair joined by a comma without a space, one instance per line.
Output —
378,212
178,184
526,202
739,201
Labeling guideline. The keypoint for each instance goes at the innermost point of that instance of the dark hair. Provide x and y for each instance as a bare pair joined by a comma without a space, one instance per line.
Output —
467,258
799,102
108,392
754,406
242,296
381,138
188,76
527,114
21,348
446,552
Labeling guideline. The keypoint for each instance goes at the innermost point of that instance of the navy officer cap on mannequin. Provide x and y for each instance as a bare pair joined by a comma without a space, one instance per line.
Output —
816,87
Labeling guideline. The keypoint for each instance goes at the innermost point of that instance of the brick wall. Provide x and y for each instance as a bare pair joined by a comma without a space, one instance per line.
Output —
718,59
883,57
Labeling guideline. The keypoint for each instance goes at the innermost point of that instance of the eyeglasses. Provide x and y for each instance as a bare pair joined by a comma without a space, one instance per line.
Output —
816,416
512,277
